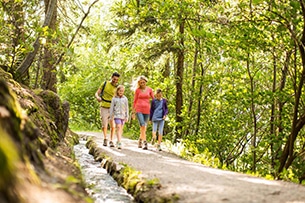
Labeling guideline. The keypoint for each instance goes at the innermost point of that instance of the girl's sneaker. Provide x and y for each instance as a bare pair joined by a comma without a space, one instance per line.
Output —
159,147
119,145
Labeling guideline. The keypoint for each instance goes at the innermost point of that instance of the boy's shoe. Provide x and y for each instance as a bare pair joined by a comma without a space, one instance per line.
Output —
159,147
119,145
140,143
145,145
111,144
105,142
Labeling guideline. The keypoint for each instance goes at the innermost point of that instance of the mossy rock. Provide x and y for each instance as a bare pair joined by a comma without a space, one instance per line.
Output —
58,110
8,158
5,75
18,135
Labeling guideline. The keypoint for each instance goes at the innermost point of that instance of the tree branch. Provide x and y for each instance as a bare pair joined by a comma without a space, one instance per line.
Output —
27,62
75,33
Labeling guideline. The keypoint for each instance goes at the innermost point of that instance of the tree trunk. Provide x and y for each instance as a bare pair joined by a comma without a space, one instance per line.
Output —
280,103
253,115
298,120
49,79
27,62
192,88
272,116
200,101
179,82
15,11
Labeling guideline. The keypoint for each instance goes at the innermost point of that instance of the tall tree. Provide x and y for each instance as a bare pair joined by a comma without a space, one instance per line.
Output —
179,77
16,18
49,79
27,62
298,121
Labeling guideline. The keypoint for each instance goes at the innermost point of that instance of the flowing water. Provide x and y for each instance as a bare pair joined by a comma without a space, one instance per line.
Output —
103,188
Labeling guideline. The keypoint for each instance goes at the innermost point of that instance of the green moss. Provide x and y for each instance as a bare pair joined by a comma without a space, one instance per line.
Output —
8,158
5,75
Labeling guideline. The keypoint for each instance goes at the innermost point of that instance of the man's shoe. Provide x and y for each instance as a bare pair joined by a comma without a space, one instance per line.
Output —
145,145
119,145
111,144
140,143
105,142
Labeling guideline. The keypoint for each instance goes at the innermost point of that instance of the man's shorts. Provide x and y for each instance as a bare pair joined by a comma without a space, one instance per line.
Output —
105,115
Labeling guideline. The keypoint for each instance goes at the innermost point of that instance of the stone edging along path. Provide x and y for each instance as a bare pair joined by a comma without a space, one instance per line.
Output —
165,177
142,189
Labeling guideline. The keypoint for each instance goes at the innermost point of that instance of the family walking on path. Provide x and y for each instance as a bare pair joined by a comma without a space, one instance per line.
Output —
146,107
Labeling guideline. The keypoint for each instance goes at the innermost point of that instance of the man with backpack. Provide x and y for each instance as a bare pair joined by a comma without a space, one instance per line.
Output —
104,95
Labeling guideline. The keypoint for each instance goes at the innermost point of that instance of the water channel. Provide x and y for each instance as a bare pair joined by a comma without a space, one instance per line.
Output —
103,188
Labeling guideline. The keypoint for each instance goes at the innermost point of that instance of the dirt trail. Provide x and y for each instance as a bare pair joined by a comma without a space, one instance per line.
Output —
196,183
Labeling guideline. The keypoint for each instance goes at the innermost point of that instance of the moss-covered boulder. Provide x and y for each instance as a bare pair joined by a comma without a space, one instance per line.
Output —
35,146
58,109
16,147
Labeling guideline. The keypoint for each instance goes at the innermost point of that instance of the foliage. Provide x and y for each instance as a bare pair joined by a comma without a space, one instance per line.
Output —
242,100
239,55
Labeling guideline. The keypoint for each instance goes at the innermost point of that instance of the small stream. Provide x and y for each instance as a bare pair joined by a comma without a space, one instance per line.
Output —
102,187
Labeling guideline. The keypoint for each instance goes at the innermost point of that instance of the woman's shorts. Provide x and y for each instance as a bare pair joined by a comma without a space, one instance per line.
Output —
142,118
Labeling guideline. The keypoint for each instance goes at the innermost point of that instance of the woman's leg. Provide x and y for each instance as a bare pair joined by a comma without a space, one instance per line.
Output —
146,118
143,119
140,118
143,133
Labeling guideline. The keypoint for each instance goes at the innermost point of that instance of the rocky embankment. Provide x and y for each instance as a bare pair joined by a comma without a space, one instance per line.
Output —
36,163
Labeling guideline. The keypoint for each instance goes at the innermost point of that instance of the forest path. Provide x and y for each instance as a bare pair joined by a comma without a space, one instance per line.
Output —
196,183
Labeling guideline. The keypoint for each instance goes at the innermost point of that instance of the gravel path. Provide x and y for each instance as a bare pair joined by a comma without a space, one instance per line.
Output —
196,183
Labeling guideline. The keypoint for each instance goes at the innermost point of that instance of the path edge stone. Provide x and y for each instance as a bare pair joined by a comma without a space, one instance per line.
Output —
142,189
